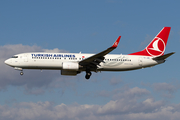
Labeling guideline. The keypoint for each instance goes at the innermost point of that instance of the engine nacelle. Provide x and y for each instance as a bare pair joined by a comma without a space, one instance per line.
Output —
70,66
67,72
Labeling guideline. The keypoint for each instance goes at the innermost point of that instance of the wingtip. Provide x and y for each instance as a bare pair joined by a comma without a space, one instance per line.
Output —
116,42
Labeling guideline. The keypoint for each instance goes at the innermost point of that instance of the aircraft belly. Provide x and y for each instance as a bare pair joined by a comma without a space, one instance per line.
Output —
38,64
119,69
119,66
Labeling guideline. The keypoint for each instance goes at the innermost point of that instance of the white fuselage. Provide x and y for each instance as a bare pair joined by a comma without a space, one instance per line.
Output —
74,63
112,62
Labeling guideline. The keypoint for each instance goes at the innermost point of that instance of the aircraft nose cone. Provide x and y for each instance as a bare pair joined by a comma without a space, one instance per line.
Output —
7,62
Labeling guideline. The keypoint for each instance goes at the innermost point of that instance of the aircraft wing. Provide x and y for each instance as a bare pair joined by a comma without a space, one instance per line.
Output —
94,60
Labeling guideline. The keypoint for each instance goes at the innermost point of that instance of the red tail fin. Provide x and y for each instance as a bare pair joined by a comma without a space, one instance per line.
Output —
157,45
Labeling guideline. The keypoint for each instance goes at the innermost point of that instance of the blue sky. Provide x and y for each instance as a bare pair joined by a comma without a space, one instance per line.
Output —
89,27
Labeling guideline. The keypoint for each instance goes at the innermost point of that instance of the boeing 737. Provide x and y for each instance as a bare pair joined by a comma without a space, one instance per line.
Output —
75,63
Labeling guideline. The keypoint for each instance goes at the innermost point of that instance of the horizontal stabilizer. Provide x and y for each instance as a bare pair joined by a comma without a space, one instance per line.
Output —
163,57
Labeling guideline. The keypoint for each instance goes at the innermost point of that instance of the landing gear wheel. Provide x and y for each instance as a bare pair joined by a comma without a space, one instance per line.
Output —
21,73
88,75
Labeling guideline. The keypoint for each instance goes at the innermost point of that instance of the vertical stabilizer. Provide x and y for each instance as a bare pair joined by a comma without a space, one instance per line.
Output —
157,45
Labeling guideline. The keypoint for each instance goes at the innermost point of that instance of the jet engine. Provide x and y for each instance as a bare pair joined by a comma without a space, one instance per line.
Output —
67,72
70,66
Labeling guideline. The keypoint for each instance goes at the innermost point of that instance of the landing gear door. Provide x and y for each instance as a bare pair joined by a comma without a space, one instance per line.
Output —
25,58
140,61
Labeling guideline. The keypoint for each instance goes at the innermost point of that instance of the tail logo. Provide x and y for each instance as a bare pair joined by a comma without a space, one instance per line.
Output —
156,47
116,43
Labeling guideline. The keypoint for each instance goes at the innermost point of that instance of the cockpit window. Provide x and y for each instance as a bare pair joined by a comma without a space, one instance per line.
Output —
14,56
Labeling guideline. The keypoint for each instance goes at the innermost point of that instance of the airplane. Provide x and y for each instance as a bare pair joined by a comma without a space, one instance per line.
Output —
75,63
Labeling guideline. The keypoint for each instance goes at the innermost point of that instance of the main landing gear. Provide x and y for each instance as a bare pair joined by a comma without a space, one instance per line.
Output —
21,73
88,74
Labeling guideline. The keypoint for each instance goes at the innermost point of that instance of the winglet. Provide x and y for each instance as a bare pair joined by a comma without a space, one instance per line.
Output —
116,42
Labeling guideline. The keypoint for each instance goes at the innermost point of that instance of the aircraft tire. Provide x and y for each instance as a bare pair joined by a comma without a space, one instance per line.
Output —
88,75
21,73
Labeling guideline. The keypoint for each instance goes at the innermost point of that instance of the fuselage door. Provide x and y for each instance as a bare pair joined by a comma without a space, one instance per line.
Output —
25,58
140,61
